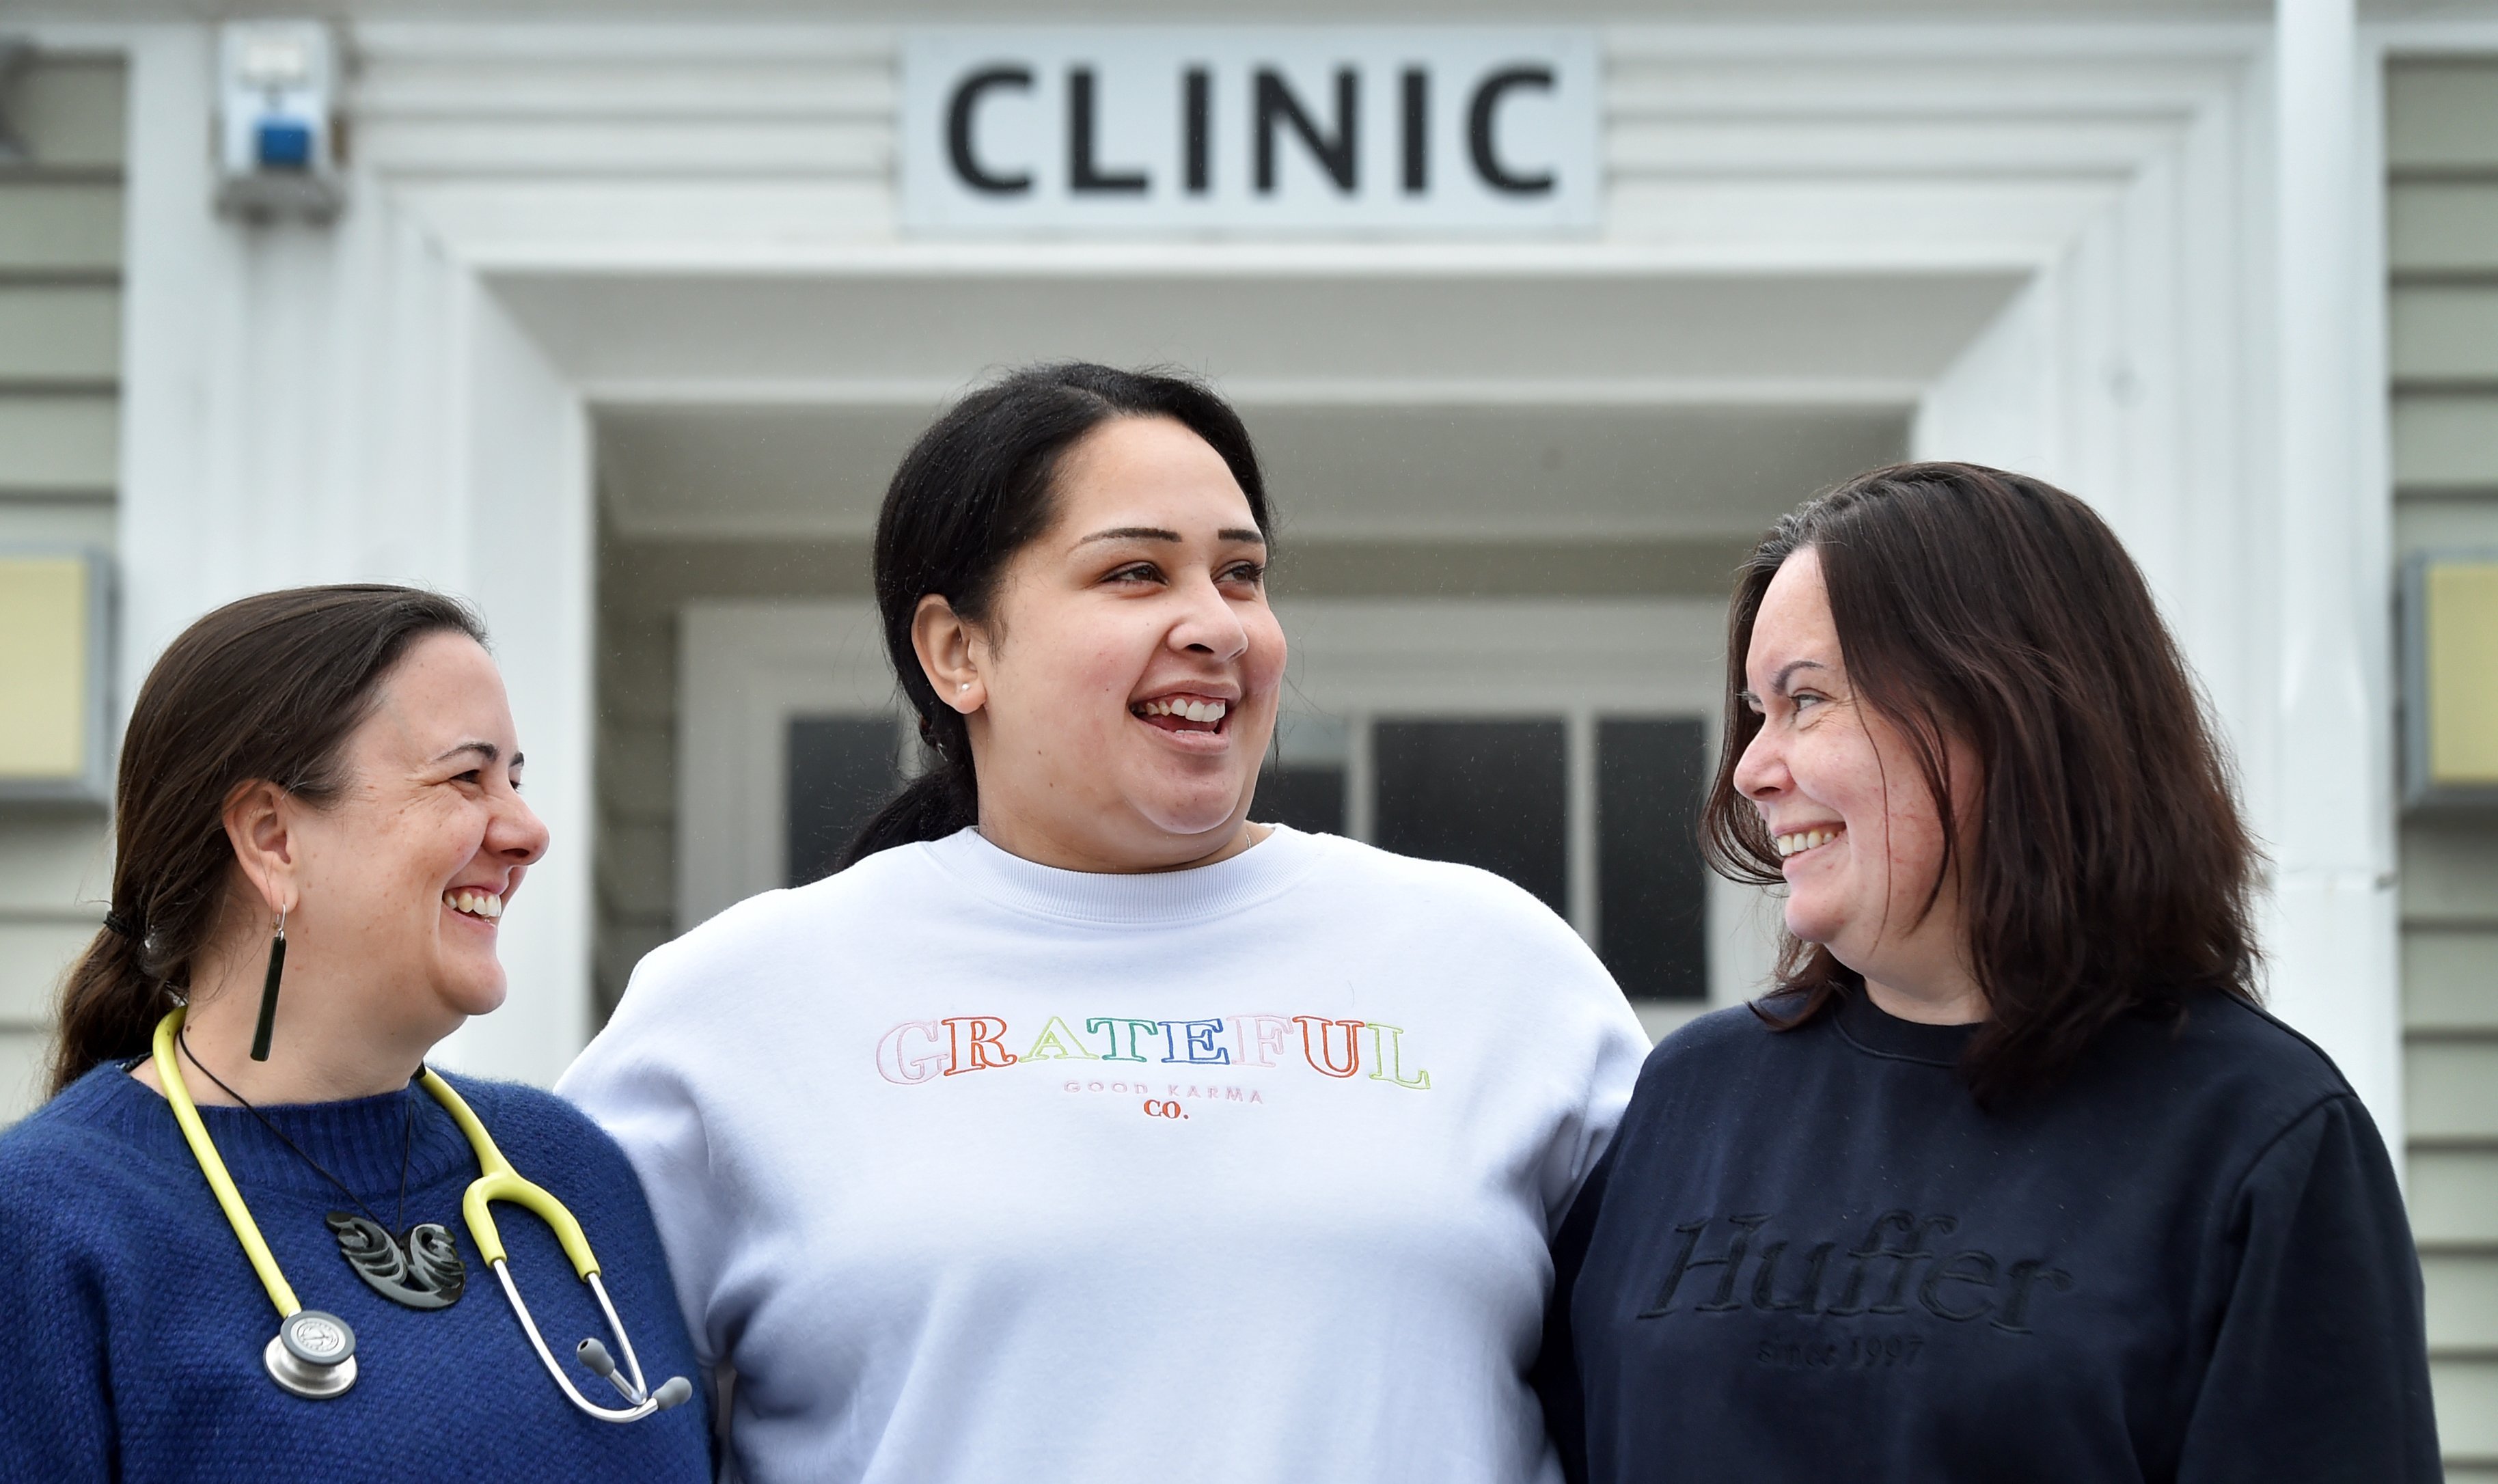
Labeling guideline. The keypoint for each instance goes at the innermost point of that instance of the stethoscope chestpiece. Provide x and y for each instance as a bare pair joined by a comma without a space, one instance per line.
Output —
313,1354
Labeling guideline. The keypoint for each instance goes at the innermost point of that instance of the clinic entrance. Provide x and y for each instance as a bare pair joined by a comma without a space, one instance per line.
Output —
1509,506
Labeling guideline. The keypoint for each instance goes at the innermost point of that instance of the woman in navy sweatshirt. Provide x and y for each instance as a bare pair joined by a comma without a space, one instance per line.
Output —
2010,1176
317,829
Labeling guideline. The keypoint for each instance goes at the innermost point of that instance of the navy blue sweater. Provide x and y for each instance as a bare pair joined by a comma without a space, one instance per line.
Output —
1810,1255
131,1338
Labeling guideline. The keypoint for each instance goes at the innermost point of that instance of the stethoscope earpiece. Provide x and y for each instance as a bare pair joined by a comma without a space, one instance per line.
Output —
313,1355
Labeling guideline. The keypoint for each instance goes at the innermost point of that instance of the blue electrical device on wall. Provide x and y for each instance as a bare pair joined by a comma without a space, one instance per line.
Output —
277,131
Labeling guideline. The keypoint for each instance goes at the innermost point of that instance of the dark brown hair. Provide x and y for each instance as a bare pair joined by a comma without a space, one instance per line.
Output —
2108,872
973,491
265,688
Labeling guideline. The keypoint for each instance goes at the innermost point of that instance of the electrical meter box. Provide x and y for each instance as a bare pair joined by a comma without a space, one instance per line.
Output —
278,121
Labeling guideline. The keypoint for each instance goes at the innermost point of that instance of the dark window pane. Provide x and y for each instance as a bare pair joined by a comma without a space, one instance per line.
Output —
1305,796
840,769
1494,794
1651,888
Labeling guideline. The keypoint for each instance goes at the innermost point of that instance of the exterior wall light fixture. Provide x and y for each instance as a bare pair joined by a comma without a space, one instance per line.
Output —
278,135
2450,680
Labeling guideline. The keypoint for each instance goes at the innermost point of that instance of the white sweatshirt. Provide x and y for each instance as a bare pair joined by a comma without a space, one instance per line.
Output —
979,1170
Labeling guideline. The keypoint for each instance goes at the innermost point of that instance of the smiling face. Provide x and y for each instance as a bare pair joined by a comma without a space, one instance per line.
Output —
1122,693
1837,783
399,883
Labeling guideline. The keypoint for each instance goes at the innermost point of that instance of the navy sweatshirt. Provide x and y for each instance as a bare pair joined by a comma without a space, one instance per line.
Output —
1811,1255
131,1335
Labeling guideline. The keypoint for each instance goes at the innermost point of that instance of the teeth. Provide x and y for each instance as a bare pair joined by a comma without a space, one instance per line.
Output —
1804,840
1187,710
477,904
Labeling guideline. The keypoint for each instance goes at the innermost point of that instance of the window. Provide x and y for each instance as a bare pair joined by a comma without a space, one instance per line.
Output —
1620,860
842,769
1494,794
1558,743
1651,889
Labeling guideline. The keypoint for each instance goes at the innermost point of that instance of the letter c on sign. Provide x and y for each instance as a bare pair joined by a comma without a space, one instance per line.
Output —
1479,131
958,130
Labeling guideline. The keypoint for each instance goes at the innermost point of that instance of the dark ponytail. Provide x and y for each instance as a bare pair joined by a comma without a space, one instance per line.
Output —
263,688
973,491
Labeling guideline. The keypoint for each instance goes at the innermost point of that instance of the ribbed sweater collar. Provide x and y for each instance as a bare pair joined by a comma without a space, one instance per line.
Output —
358,1140
1143,899
1871,1029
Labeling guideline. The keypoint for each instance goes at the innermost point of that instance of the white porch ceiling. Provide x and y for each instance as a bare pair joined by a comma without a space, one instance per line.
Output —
1336,472
1414,335
1441,405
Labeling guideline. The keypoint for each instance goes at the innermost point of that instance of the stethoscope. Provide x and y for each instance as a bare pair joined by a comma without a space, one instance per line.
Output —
313,1354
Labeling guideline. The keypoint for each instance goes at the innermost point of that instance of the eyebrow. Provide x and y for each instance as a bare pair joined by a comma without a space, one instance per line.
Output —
1158,534
488,749
1779,681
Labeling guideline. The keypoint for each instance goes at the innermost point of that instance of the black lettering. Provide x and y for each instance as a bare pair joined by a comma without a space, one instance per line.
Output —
2016,1301
1725,1299
1685,1262
1480,122
1851,1298
958,130
1972,1268
1894,1299
1416,86
1808,1297
1084,174
1197,128
1273,103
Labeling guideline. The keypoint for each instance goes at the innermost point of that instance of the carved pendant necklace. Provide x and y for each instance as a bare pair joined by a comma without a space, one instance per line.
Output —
417,1266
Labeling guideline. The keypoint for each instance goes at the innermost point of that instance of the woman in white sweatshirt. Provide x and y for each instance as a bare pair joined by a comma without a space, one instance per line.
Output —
1080,1129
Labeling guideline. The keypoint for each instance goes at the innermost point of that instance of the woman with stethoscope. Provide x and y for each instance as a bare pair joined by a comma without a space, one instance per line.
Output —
1082,1129
245,1238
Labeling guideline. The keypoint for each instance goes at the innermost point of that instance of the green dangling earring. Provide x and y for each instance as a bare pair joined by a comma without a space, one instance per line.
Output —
268,989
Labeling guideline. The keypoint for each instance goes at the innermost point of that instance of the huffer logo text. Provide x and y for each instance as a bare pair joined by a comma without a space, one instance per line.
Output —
1896,1264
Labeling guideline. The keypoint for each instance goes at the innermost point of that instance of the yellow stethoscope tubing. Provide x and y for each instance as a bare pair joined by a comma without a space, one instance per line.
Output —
496,1180
238,1216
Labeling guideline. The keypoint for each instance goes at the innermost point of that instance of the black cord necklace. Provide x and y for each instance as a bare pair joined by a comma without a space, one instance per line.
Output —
419,1266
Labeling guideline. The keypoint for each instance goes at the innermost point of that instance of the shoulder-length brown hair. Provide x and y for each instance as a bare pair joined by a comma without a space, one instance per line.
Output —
2108,871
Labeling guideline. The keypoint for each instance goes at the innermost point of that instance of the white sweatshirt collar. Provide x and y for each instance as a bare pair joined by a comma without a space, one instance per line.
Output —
1159,897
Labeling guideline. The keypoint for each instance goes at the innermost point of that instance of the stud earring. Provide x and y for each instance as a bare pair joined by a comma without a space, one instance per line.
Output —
268,989
962,685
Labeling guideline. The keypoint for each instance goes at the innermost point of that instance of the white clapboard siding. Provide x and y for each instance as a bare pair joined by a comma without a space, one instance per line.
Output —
2442,226
60,335
647,143
1650,75
54,442
2445,331
2445,438
1815,144
2467,524
780,148
2442,152
51,227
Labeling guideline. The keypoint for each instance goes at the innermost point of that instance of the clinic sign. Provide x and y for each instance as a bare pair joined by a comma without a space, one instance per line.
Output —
1243,132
